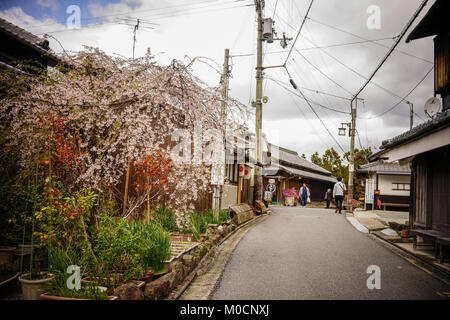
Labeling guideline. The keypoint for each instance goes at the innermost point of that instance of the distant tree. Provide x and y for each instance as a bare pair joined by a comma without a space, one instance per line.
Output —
303,156
361,157
332,161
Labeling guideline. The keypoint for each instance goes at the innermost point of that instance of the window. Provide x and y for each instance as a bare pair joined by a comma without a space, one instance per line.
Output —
231,172
400,186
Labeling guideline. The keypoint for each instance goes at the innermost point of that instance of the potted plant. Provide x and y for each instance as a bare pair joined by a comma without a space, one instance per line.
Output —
33,284
6,255
289,196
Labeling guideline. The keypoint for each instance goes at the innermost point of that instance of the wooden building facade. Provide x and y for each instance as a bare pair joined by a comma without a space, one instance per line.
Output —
289,170
426,147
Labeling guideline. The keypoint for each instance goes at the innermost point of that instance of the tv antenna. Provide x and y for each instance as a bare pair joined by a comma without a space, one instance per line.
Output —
137,24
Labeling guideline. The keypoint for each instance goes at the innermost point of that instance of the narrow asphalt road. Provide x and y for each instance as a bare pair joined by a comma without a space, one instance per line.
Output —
302,253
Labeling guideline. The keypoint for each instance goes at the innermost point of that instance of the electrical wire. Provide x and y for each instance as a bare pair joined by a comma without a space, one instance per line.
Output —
317,115
392,48
323,73
363,38
188,6
401,98
298,33
285,86
155,18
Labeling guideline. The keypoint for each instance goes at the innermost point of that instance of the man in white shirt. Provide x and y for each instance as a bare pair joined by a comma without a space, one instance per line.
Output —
338,194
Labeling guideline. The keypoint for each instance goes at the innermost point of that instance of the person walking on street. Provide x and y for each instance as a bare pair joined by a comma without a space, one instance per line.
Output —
304,195
338,194
328,197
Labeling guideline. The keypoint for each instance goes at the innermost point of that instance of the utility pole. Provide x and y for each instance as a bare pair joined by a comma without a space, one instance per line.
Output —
136,27
351,165
411,114
258,103
224,80
127,177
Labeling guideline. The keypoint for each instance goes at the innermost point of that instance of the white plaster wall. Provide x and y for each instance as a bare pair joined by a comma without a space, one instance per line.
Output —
385,184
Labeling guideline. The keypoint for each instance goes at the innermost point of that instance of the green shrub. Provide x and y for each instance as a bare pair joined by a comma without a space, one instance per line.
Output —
115,248
59,260
198,222
166,217
131,247
154,245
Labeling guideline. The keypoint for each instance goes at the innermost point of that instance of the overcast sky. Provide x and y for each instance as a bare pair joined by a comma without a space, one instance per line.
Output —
206,27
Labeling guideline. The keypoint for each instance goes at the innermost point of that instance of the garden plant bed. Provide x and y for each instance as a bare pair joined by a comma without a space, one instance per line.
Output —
44,296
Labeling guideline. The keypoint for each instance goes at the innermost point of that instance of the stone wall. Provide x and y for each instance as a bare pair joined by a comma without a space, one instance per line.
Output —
179,269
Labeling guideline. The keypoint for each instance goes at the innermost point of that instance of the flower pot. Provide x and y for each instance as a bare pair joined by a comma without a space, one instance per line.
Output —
25,249
6,255
289,201
405,233
32,289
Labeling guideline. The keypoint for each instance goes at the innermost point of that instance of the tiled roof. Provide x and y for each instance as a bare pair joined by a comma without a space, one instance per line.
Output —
384,167
440,120
33,41
292,157
292,163
270,171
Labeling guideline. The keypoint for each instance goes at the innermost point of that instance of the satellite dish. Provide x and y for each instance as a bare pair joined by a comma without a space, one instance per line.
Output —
432,106
265,99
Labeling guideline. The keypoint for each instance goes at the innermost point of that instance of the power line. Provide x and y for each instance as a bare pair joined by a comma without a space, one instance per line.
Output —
298,33
285,86
156,17
323,73
401,98
187,5
373,41
317,91
315,47
317,115
424,2
356,72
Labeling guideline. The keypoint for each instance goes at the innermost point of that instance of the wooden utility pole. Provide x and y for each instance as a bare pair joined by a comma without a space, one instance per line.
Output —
136,27
258,102
224,82
351,166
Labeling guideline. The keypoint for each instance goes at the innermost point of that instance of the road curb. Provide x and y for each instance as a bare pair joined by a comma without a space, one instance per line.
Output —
207,262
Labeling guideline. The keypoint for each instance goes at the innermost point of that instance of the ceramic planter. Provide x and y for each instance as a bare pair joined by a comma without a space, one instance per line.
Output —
6,255
289,201
32,289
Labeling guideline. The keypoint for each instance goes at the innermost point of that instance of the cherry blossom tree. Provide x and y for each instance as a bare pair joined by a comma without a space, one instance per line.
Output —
111,109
